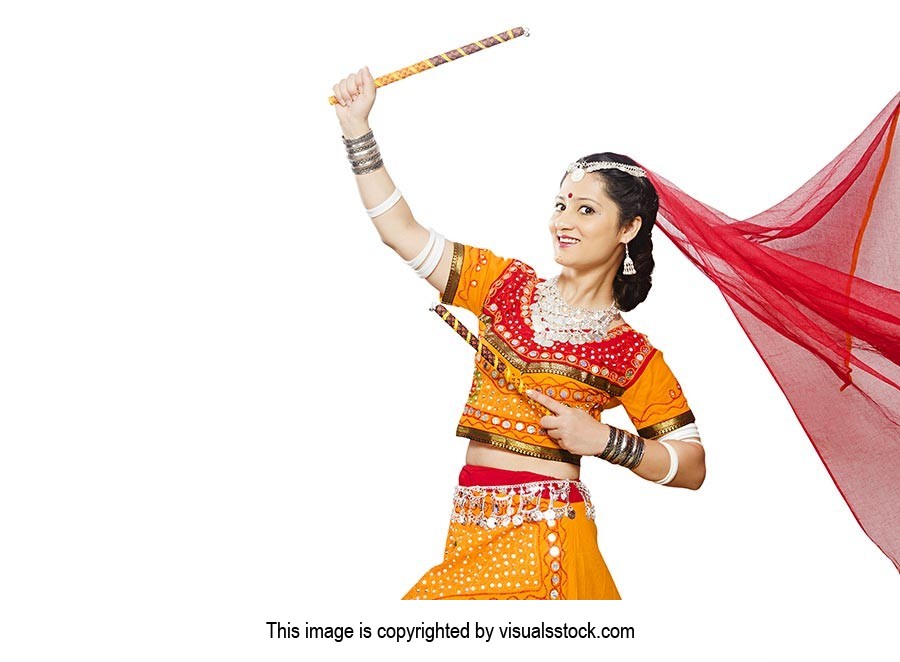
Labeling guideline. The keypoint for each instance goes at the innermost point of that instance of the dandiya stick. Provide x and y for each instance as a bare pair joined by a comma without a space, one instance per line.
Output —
511,374
465,334
449,56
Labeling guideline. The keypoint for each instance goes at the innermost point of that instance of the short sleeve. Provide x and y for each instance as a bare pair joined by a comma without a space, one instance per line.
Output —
472,272
655,402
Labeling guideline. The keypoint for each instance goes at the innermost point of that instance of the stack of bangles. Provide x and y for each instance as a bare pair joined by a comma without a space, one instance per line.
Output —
627,449
363,153
365,157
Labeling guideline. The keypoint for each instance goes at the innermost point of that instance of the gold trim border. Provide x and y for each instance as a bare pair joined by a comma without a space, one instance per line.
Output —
526,367
455,272
516,446
668,425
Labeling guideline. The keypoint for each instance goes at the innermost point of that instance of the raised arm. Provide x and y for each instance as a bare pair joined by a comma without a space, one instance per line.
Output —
397,227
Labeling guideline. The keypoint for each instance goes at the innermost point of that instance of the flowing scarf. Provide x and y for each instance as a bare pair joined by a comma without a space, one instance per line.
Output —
815,283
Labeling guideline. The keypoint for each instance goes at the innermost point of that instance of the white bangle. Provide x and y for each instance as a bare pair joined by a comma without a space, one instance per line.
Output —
433,258
673,465
384,206
427,259
417,261
687,432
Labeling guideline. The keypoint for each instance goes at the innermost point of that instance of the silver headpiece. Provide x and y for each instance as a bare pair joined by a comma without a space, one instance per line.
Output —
579,168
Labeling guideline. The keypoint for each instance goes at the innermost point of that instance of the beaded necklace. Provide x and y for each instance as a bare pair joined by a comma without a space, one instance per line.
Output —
553,320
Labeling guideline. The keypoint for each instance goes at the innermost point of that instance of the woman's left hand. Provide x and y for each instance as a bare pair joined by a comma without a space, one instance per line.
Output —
573,429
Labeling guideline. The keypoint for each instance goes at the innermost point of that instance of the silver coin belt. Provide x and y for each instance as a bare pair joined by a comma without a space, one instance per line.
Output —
513,505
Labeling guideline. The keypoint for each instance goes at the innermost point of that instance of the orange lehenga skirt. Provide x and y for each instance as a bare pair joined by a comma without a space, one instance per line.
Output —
518,535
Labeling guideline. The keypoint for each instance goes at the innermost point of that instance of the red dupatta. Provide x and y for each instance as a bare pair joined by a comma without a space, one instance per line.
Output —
815,283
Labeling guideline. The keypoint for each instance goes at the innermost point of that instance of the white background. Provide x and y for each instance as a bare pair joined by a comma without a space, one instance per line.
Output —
223,401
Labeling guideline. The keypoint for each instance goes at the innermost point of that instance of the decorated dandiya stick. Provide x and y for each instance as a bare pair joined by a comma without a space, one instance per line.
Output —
512,375
449,56
465,334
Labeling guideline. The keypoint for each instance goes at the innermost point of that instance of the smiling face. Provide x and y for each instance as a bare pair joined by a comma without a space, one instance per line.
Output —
585,224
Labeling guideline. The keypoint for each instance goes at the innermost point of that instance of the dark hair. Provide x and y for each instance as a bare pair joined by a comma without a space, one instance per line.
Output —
634,196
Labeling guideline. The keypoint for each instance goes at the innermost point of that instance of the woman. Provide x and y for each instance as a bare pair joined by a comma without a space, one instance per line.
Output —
553,354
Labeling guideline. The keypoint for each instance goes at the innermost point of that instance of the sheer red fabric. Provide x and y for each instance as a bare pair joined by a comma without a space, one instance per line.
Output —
815,283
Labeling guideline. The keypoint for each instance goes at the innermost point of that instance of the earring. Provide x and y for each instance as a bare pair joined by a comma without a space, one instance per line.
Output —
628,264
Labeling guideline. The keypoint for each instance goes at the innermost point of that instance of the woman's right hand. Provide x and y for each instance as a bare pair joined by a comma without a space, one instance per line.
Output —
355,95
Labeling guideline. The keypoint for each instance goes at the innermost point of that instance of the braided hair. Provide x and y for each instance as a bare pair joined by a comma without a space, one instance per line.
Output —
634,196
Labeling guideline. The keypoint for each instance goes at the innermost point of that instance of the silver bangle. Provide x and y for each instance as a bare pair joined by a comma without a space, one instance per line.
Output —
621,447
364,161
359,149
637,453
610,444
363,153
370,151
640,456
359,139
372,168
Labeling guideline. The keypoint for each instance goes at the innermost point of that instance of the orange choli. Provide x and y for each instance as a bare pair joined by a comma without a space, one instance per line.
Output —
623,368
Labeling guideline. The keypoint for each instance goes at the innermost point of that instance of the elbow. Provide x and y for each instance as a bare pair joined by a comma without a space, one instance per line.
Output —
697,479
697,473
395,234
389,239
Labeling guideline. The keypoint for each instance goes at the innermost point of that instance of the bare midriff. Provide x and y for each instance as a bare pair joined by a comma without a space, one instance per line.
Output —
486,455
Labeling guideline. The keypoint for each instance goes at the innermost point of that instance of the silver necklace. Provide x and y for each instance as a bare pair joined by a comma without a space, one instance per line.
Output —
553,320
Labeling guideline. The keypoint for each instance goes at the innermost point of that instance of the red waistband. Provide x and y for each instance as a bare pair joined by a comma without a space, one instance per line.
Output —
473,474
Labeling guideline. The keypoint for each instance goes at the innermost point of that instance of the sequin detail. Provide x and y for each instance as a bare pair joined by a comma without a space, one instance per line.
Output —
505,542
490,507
